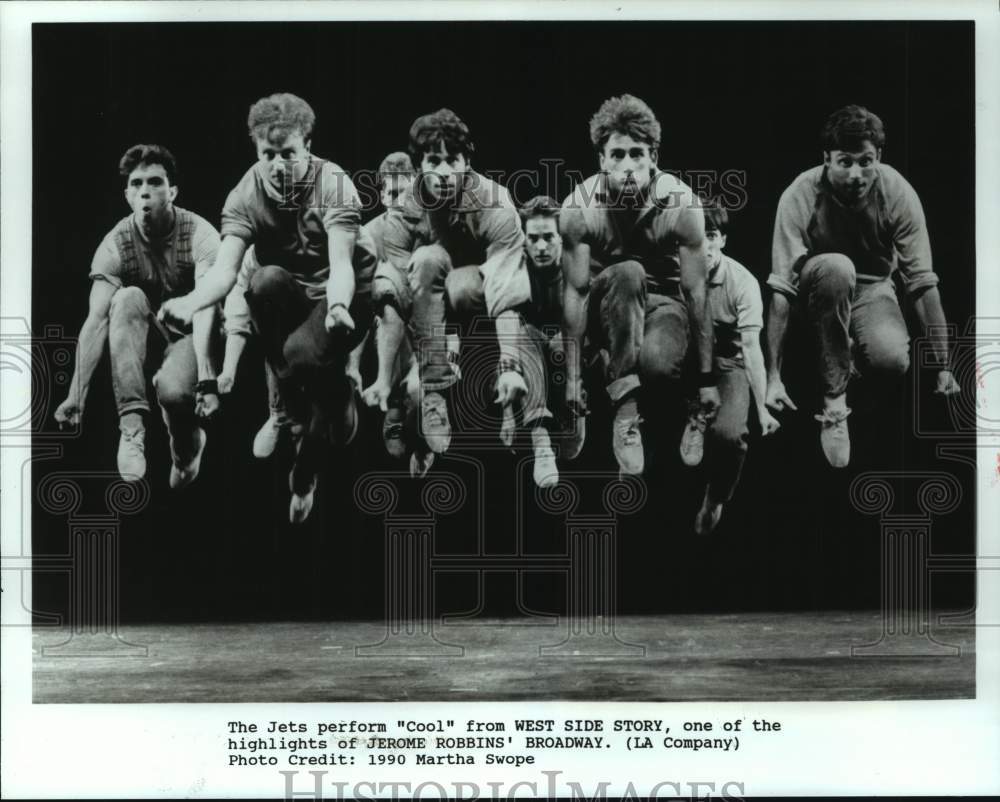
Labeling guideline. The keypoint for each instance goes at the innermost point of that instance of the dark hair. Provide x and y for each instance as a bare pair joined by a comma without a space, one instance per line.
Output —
146,155
716,217
627,115
847,128
282,112
443,126
540,206
397,163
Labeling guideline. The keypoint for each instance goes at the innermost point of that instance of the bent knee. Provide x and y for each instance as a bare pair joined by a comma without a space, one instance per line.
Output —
661,360
830,270
628,275
171,391
129,301
267,279
464,292
889,360
428,262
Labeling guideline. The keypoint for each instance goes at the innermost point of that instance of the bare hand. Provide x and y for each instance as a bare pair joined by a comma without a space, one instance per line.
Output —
206,404
226,382
337,317
946,384
776,396
768,423
377,395
176,313
510,388
69,411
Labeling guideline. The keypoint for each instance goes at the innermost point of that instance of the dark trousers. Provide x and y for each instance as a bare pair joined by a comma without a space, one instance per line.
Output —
307,360
645,334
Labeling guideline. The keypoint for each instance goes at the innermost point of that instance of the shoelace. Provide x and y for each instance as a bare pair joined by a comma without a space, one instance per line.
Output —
393,430
137,437
698,421
832,417
628,430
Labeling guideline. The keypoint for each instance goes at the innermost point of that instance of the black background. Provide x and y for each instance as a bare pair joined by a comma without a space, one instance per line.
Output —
748,96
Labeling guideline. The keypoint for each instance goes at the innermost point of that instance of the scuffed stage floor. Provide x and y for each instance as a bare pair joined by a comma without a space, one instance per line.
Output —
752,657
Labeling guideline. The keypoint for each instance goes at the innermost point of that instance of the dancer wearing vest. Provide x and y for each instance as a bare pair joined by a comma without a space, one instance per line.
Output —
156,253
309,288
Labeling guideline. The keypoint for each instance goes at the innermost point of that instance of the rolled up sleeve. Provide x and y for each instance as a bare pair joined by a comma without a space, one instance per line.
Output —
789,247
912,243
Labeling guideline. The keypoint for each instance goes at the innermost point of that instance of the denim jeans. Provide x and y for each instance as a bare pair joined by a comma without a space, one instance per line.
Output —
128,332
844,312
645,334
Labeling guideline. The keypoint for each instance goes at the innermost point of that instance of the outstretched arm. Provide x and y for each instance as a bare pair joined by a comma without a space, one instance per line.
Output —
928,308
776,396
693,255
753,359
213,287
90,346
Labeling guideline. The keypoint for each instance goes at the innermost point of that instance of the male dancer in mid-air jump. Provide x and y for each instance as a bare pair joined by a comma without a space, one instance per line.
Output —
301,213
158,252
843,230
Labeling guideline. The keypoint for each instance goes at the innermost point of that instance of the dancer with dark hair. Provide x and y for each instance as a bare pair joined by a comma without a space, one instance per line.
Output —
158,252
737,317
843,231
635,270
458,237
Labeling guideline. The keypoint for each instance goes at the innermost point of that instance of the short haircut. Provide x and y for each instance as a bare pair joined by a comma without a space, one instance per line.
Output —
848,128
280,113
397,163
443,126
540,206
716,217
146,155
627,115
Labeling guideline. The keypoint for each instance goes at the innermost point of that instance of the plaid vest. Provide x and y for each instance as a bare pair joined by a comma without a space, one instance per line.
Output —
155,273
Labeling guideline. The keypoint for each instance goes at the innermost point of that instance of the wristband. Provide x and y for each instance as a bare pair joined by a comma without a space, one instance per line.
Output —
508,365
708,379
207,387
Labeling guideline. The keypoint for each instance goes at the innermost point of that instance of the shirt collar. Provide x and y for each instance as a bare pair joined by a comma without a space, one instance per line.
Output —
717,276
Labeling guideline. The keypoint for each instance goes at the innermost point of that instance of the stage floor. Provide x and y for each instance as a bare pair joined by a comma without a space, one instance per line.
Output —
753,657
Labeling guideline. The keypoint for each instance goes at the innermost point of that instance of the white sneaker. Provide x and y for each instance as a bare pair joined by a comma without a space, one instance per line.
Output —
132,450
266,439
545,472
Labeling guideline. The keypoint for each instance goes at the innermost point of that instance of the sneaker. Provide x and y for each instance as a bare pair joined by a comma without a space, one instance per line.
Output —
833,436
693,439
420,464
301,504
708,516
266,439
545,472
394,432
575,429
132,450
181,475
627,439
434,423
